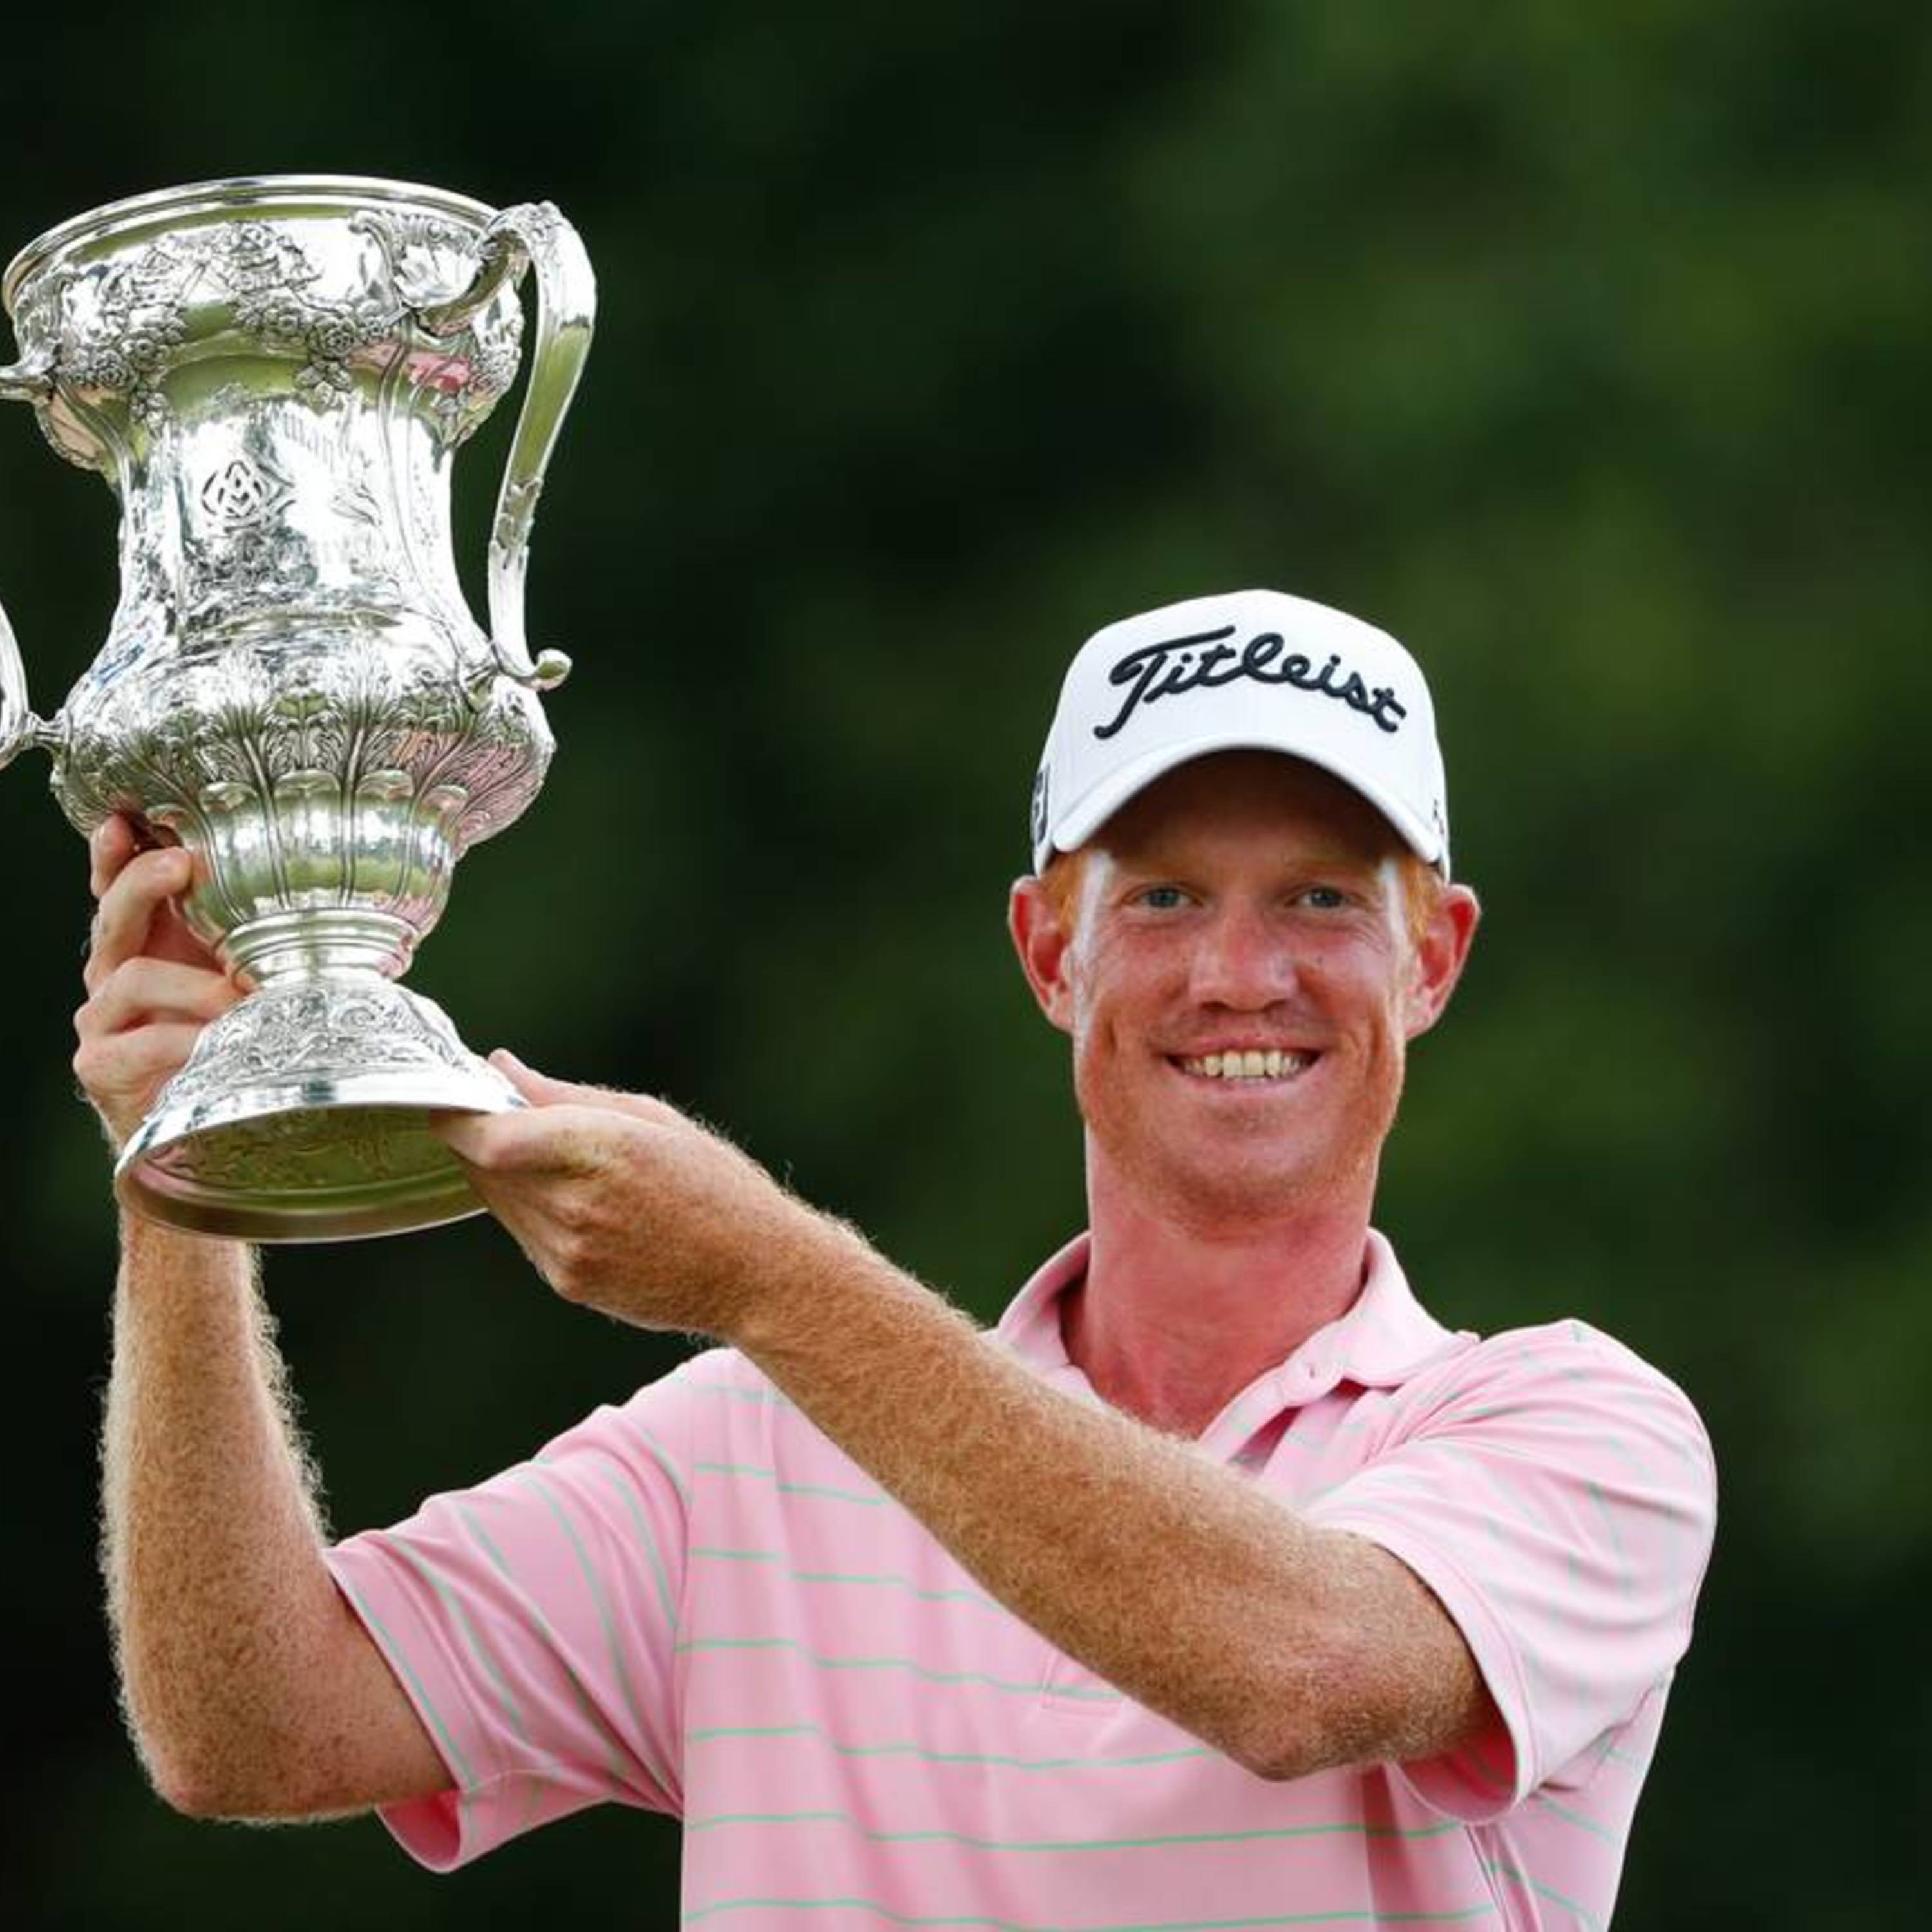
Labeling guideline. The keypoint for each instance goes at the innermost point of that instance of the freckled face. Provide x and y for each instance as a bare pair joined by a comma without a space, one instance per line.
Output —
1239,988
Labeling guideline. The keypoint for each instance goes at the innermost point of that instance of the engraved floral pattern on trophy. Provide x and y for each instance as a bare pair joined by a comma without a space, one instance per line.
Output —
112,327
289,1030
290,1151
293,684
307,781
286,685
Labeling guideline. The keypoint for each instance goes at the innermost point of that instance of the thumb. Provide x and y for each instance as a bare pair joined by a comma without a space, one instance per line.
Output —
539,1089
466,1135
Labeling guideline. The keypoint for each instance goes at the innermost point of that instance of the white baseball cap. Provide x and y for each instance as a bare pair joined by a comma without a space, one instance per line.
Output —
1253,670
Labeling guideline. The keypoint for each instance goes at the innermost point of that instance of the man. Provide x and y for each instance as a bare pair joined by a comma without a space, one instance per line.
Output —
1220,1585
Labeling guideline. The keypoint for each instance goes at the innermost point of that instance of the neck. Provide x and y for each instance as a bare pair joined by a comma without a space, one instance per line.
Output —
1176,1316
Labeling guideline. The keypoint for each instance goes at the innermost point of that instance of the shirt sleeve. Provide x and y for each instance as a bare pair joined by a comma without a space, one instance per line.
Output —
1558,1495
533,1622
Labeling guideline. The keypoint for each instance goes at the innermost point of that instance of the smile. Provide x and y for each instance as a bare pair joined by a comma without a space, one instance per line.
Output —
1272,1064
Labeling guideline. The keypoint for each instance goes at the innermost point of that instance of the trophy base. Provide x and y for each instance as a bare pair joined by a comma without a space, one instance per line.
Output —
303,1115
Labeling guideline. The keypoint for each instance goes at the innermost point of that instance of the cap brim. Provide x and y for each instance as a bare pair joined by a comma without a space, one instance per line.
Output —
1086,813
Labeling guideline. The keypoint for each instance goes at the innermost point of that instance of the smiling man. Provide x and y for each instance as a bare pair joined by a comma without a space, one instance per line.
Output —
1220,1585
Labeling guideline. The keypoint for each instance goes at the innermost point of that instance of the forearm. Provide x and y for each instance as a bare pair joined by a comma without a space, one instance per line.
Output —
220,1601
1284,1646
1201,1597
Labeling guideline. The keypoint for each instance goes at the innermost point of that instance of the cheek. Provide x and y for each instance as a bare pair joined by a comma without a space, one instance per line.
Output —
1112,1004
1094,1036
1369,969
1102,985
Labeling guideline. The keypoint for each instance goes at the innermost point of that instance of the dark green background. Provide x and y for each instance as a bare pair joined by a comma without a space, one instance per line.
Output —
1584,346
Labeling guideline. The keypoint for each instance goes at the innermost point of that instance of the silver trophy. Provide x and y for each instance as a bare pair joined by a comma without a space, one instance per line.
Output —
273,374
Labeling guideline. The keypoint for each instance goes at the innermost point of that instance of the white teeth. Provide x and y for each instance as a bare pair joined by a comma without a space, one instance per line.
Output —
1273,1064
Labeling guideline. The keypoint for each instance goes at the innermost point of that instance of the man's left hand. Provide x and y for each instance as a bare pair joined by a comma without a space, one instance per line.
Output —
624,1204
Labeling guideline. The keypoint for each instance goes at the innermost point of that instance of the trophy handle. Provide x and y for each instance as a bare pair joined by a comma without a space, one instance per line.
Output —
19,727
30,381
533,231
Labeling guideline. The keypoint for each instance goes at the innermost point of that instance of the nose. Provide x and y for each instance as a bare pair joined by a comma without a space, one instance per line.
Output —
1241,960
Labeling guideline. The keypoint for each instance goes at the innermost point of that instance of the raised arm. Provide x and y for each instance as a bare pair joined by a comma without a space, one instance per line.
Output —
1288,1647
251,1688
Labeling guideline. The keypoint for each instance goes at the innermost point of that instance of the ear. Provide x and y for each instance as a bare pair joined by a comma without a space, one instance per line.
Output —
1440,956
1042,943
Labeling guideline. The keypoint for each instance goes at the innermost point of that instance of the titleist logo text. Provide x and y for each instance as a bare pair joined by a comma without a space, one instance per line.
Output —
1177,664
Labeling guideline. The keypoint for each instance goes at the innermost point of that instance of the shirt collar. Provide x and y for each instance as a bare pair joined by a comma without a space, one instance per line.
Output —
1380,1340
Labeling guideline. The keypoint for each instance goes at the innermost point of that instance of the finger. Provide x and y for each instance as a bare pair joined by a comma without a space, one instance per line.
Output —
109,847
121,1072
557,1140
127,908
473,1137
148,988
544,1090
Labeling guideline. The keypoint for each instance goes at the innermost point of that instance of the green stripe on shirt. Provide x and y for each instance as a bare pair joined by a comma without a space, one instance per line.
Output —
1031,1688
1443,1828
907,1749
1372,1916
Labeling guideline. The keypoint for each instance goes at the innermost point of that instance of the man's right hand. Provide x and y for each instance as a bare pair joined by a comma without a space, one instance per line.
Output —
151,984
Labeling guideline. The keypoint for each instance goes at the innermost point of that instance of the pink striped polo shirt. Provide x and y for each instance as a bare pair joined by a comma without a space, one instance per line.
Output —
694,1603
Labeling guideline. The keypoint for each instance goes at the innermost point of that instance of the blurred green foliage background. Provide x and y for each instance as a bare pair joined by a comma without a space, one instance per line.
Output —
1583,346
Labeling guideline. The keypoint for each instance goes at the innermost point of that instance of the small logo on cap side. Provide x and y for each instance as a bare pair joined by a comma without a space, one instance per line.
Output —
1205,660
1040,789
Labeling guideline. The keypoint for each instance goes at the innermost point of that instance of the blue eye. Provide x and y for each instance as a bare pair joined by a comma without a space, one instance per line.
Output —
1325,899
1162,899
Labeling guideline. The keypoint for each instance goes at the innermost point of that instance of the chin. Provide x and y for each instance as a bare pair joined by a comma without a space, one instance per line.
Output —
1235,1192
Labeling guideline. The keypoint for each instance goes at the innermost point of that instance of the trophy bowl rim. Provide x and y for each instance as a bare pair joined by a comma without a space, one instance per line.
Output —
289,1212
191,199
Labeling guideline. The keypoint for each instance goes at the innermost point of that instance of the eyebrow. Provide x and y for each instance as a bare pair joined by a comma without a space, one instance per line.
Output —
1325,858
